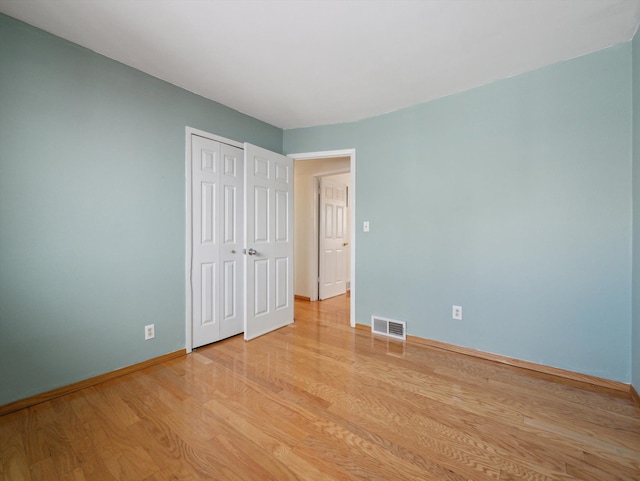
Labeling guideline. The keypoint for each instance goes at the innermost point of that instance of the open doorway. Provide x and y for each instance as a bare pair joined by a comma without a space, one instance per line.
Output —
309,170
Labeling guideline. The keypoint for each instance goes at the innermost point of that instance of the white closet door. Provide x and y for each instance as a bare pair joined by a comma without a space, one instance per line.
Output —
216,186
269,241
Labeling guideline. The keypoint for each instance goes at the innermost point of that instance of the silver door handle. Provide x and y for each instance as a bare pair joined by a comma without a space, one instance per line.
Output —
250,252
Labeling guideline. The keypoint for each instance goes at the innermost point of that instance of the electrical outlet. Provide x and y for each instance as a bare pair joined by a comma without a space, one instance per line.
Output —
456,313
149,332
365,226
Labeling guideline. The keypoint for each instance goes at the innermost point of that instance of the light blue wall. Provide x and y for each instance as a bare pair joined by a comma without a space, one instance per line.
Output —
512,200
92,211
635,340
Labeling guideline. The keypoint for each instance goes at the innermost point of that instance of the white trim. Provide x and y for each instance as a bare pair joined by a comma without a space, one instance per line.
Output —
326,154
328,173
217,138
189,131
188,240
351,153
315,248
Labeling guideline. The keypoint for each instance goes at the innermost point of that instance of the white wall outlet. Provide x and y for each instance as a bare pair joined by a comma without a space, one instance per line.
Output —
456,313
365,226
149,332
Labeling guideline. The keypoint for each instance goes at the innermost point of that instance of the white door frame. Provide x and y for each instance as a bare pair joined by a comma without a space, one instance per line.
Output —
189,131
327,154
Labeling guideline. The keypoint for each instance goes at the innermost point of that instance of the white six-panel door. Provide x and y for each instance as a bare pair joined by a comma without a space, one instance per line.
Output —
332,271
269,241
217,285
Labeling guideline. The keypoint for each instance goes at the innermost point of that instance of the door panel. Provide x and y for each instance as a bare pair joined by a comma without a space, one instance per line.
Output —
261,287
261,215
208,212
332,269
282,273
229,211
208,282
282,216
340,221
269,223
230,294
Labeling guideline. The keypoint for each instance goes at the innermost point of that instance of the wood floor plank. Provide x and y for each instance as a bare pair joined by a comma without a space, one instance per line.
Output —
579,408
200,387
44,470
76,475
317,400
418,448
629,455
14,460
90,463
69,422
592,460
364,460
184,460
36,424
257,420
159,476
259,464
451,447
111,393
304,470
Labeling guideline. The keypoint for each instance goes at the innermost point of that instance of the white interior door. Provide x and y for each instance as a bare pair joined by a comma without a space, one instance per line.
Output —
333,244
269,241
217,234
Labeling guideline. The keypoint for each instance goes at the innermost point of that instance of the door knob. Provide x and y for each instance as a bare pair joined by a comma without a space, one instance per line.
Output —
250,252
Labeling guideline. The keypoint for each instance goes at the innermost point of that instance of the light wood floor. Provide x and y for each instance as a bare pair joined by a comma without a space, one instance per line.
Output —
320,401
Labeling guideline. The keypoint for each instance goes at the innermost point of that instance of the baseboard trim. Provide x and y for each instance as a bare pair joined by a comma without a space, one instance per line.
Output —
634,396
302,298
531,366
61,391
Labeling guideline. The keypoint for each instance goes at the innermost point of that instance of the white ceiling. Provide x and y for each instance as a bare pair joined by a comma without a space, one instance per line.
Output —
308,62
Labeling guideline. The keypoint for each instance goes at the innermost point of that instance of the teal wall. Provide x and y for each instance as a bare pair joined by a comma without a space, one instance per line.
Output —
635,339
92,211
512,200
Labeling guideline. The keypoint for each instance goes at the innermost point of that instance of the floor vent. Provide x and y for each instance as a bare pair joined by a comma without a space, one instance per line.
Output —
389,327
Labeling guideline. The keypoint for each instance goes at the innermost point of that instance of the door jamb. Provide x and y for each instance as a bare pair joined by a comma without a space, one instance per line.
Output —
351,153
189,131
